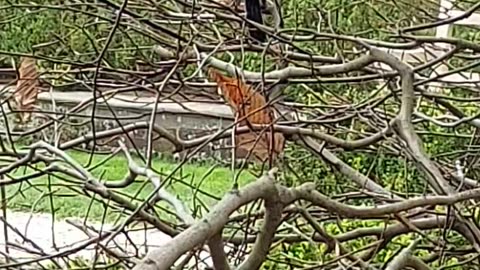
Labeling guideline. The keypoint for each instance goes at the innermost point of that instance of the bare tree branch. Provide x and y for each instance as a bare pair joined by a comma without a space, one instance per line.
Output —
211,224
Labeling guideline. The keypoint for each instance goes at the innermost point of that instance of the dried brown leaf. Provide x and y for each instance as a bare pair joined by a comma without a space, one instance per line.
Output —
259,145
250,106
28,86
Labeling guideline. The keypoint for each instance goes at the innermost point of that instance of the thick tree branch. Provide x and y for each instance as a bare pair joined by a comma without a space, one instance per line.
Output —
289,72
217,251
308,193
162,193
402,259
342,167
261,248
404,126
164,257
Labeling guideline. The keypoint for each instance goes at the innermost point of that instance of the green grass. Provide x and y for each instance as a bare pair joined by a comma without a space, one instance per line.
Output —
68,199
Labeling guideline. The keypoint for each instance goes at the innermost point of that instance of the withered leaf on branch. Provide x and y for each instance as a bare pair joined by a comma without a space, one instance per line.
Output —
250,108
28,86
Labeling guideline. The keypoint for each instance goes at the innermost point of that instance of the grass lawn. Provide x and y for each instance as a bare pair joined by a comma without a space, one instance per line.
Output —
40,193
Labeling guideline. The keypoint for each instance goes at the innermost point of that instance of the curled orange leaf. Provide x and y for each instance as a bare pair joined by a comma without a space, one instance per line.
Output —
250,108
27,89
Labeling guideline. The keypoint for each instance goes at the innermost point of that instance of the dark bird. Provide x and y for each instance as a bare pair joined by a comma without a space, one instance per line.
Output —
254,13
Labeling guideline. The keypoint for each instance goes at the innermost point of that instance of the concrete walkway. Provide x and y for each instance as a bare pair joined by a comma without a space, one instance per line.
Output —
40,241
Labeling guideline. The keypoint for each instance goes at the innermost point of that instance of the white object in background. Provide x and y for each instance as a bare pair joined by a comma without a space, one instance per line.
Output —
422,55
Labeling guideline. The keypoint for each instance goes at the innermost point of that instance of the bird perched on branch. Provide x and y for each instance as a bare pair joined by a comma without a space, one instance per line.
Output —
253,10
254,13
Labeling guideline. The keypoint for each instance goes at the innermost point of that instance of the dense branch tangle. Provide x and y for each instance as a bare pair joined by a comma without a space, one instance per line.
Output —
379,167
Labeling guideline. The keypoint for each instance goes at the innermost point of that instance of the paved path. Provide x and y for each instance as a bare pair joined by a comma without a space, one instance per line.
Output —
38,229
